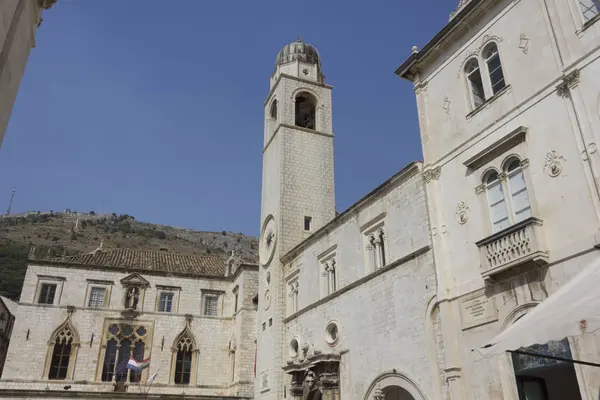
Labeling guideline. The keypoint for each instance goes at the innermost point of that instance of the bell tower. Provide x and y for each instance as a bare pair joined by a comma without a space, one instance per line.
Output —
297,194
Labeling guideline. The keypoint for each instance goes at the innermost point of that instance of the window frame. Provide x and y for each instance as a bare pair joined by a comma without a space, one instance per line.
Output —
194,352
503,176
292,292
52,280
75,344
219,295
175,291
312,98
94,283
487,60
469,83
485,75
329,281
588,21
373,259
106,337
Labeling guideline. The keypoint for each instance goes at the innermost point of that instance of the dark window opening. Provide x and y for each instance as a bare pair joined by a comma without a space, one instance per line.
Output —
273,112
307,223
475,83
47,293
60,360
183,367
306,109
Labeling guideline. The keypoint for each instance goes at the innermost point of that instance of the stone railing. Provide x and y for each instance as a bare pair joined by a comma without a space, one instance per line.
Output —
517,245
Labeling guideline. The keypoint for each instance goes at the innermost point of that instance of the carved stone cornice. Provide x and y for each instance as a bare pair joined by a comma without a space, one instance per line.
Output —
432,174
569,81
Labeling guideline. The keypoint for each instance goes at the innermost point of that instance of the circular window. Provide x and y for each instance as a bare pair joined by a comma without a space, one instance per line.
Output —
332,333
294,348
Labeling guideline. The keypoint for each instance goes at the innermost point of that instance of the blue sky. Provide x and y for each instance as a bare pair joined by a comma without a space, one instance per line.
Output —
154,108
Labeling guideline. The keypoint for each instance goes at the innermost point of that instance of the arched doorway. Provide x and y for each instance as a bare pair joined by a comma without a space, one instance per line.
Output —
396,393
393,386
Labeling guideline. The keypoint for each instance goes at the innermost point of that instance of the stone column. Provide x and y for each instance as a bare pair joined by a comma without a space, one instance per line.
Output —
297,386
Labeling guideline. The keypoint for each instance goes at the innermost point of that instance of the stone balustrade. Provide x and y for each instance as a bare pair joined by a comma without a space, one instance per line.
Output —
518,245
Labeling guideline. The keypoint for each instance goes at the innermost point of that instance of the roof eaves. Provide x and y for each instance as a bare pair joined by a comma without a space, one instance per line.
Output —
404,70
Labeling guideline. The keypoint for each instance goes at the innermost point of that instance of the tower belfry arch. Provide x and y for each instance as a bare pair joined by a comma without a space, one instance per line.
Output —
298,194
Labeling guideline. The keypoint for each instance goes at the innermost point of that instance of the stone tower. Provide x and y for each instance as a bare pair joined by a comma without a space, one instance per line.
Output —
297,193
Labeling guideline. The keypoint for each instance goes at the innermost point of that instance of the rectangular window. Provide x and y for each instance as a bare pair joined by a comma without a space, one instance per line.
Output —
498,211
47,293
270,321
476,87
519,196
165,302
211,305
307,223
97,296
589,8
235,306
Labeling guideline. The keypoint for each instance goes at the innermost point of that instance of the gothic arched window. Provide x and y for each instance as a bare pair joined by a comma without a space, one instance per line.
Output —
123,341
62,352
185,351
306,110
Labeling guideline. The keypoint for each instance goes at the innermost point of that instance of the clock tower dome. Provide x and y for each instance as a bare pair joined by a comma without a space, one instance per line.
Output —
297,194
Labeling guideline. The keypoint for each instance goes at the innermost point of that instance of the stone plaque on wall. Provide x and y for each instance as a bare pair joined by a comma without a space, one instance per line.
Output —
477,309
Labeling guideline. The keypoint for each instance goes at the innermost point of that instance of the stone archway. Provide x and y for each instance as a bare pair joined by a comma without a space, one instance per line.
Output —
396,393
393,386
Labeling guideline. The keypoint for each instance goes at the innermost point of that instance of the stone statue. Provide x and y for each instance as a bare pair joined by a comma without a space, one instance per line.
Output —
311,390
133,296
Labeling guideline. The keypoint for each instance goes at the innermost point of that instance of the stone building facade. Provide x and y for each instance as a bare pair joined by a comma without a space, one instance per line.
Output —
342,297
19,20
79,316
509,113
7,320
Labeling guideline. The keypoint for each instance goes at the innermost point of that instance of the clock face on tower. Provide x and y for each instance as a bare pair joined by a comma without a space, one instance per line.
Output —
268,241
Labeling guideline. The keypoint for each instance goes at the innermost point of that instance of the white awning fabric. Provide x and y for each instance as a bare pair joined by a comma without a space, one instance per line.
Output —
572,310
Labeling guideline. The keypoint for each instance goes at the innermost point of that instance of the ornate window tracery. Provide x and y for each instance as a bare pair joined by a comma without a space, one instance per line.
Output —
122,342
185,355
62,352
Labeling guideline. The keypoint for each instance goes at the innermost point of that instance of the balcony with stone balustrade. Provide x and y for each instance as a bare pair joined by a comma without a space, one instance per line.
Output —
513,249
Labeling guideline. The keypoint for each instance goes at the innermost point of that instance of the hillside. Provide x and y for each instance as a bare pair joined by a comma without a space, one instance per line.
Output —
73,233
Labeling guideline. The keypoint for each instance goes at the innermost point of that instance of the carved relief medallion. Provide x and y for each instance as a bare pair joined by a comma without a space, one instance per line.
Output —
461,213
553,165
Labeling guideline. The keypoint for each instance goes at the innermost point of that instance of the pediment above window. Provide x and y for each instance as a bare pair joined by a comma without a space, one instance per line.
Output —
497,148
135,279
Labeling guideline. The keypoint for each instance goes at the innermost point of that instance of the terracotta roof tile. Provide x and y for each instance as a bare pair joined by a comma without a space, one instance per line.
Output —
158,261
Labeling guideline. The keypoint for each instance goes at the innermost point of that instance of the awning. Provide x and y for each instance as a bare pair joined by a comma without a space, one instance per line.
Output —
572,310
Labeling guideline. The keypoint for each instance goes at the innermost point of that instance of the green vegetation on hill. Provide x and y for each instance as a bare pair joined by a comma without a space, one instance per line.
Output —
69,233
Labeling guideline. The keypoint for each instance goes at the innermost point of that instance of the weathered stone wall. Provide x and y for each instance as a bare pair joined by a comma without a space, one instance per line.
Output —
35,324
550,63
381,315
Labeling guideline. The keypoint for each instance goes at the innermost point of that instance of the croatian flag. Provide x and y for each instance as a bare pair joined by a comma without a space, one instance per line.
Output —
137,366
